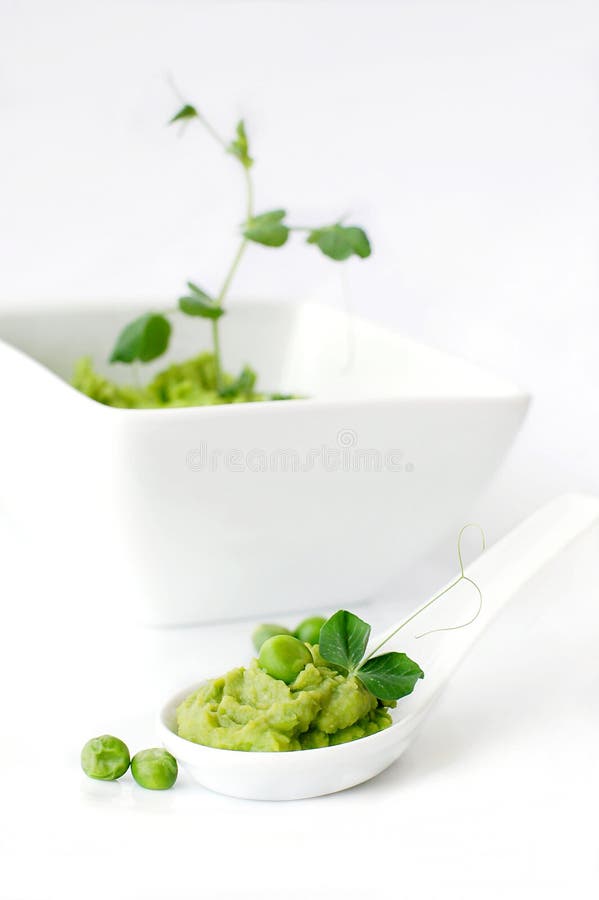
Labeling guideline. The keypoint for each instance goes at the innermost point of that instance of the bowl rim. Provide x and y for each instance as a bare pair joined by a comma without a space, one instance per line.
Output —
507,392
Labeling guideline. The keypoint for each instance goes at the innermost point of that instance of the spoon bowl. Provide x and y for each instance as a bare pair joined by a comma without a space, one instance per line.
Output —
500,572
285,776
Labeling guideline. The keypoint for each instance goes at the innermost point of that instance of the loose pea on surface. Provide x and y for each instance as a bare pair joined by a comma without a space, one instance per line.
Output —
105,757
284,657
309,630
264,632
155,769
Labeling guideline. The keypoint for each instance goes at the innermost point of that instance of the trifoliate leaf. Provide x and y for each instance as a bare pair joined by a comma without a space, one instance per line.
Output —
341,241
267,229
186,112
144,339
390,676
199,303
239,146
343,639
196,306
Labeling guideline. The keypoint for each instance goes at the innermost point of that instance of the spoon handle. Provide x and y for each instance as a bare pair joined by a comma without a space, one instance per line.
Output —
528,548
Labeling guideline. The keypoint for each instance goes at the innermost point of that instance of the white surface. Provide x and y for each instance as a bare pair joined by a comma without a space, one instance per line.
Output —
465,136
490,800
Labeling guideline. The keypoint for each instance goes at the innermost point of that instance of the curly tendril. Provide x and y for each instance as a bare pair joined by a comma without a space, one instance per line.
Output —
462,577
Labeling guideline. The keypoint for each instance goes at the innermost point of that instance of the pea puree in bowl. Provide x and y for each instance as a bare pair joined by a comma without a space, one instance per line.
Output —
247,709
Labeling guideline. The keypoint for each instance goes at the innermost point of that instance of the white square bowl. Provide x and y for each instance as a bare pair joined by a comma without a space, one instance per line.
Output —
203,514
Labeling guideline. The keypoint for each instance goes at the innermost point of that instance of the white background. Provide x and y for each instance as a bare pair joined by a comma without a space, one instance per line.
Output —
464,136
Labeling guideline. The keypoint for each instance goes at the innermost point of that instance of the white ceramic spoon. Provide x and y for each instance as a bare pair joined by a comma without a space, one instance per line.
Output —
500,572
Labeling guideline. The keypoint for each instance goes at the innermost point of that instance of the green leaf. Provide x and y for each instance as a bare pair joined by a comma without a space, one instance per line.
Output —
186,112
194,306
267,229
199,303
199,292
239,146
144,339
243,385
341,241
390,676
343,639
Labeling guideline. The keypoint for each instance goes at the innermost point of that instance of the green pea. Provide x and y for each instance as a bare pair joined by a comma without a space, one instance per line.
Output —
155,769
284,657
309,630
264,632
105,757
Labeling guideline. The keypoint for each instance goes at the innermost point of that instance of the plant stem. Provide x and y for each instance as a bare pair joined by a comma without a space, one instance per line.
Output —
220,298
217,359
249,189
219,302
211,130
231,273
408,620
